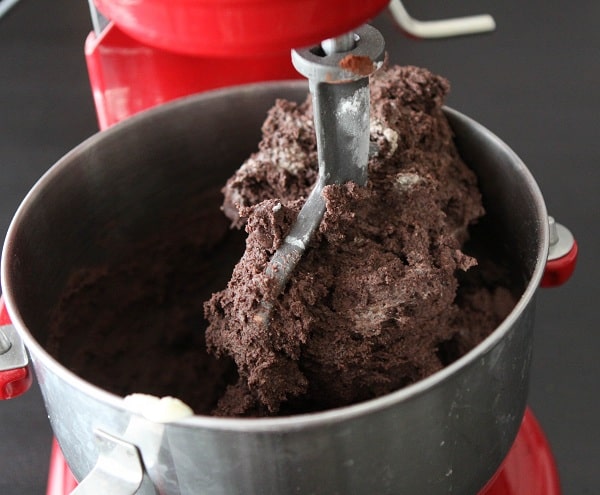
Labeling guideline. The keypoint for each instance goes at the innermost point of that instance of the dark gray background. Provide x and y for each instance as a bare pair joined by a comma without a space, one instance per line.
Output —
534,82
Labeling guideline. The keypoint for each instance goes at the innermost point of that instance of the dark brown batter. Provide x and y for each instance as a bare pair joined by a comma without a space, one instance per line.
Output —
372,305
384,295
137,324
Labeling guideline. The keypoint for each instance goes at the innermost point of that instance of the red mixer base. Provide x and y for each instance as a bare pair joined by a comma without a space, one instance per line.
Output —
528,469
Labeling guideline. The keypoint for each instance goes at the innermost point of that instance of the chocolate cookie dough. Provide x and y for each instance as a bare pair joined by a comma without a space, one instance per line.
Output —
372,305
135,324
399,281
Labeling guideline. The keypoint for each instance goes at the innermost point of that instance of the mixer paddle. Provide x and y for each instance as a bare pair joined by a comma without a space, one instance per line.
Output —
338,72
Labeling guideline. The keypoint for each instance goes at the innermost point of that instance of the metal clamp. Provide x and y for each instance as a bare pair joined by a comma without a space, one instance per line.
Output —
15,376
561,240
562,255
12,350
118,471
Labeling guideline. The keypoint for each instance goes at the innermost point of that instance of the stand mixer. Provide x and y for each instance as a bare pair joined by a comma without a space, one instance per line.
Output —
115,104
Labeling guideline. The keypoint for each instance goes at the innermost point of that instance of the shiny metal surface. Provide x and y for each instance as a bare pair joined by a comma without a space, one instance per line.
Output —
118,471
12,350
447,433
561,240
5,344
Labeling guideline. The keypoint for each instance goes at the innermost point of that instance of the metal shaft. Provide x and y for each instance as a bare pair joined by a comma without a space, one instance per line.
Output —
341,113
338,73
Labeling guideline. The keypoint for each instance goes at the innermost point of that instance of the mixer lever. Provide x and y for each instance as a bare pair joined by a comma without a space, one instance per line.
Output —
444,28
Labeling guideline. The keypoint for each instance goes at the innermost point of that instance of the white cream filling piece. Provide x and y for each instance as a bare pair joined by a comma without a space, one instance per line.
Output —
158,409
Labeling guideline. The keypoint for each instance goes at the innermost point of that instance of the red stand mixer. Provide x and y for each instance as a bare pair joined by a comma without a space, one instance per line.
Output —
154,52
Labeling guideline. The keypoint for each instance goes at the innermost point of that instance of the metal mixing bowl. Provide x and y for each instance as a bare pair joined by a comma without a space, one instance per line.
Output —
445,434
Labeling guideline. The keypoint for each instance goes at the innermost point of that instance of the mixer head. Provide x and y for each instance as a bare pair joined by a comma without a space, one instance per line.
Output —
142,54
259,27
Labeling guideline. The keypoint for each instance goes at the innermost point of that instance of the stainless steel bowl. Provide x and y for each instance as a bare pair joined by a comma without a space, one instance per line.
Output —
445,434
